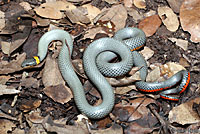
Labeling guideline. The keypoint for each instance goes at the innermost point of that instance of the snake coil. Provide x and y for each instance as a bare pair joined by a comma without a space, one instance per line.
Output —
96,62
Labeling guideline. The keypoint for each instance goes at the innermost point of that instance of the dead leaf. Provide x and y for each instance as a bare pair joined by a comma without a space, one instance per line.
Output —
190,18
175,5
8,90
184,114
111,1
114,129
25,5
132,111
41,21
35,117
183,62
18,131
181,43
5,46
169,18
6,126
154,75
91,33
13,19
51,126
140,3
104,122
3,115
135,128
28,105
123,90
53,9
136,15
13,66
147,53
113,15
150,13
51,74
128,3
77,15
150,24
35,128
2,20
170,69
4,79
30,82
92,11
59,93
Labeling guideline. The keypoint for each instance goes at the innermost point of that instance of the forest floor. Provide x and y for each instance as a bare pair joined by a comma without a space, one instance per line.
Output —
37,100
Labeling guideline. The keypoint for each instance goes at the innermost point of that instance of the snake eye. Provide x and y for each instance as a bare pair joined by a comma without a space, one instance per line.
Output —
28,63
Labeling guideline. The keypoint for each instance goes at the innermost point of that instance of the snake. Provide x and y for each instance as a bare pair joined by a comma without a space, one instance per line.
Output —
97,64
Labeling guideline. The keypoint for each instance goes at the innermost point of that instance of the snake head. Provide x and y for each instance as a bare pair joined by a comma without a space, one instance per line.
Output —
30,62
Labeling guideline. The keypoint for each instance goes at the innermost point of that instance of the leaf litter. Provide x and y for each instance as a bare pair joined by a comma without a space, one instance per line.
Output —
43,98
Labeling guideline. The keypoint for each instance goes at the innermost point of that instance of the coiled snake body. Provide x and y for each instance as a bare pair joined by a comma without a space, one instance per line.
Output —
96,62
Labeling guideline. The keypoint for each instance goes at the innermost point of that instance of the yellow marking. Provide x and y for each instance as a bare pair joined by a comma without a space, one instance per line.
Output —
37,59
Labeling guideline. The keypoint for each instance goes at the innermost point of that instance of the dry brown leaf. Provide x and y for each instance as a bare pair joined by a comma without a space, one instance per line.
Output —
4,79
171,68
4,115
53,9
123,90
128,3
154,75
190,18
113,15
6,126
92,11
135,128
184,114
137,16
150,13
28,105
104,122
114,129
77,15
134,110
150,24
13,66
25,5
91,33
30,82
183,62
5,46
18,131
2,20
51,74
59,93
8,90
35,117
51,126
175,5
41,21
181,43
147,53
169,18
111,1
140,3
35,128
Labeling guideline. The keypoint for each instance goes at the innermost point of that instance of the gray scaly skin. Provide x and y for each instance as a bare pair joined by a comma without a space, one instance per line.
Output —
96,59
